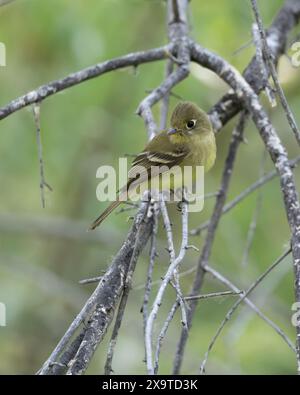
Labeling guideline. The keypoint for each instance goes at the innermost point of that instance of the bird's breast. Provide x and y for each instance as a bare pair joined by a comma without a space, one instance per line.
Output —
203,151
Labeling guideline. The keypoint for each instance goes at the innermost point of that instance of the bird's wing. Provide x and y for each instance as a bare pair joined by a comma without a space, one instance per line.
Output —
155,162
154,158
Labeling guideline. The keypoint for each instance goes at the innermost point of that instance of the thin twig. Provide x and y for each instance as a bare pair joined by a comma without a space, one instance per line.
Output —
253,223
158,282
252,188
213,295
167,278
5,2
144,109
163,332
37,119
220,277
238,302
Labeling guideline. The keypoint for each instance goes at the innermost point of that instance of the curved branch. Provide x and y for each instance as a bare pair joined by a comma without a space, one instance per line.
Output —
229,105
133,59
238,302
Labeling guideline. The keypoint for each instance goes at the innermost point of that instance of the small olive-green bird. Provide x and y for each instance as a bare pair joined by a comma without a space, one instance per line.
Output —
189,142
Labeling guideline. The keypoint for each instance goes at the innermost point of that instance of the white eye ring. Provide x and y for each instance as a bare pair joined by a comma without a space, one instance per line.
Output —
191,124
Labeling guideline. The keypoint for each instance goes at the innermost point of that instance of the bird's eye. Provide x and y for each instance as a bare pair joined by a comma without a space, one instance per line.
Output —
191,124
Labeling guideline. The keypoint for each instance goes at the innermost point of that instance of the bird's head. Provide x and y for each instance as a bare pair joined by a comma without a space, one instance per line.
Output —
188,120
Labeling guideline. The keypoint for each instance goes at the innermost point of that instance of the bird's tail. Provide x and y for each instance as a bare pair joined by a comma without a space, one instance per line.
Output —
105,213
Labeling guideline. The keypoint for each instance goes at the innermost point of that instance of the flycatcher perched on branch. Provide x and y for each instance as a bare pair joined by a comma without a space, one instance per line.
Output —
189,142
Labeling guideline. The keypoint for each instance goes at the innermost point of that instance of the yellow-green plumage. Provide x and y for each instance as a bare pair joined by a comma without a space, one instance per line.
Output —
189,142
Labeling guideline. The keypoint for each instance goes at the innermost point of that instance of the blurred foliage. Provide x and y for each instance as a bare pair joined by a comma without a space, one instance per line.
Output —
93,124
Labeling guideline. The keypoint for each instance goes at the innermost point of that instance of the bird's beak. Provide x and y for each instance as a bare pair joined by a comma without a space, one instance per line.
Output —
172,131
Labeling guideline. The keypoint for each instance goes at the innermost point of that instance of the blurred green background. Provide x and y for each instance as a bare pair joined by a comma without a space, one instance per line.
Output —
44,253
